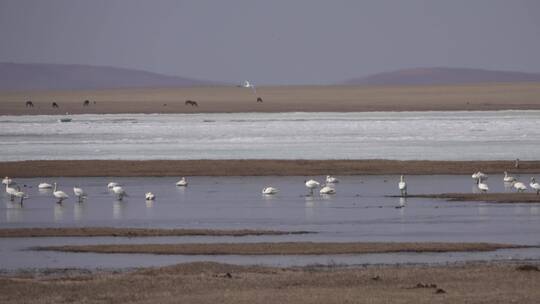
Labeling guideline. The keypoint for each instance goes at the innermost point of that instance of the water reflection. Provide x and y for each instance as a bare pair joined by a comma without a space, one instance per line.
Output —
534,210
13,212
58,212
507,187
118,210
78,211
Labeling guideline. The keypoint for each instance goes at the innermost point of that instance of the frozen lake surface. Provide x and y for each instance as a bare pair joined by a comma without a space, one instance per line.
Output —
360,211
483,135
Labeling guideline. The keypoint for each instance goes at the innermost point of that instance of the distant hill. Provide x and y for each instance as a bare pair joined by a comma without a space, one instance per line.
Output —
36,76
427,76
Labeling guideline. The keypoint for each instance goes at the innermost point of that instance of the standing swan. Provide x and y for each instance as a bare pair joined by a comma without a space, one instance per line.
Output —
79,193
311,184
482,186
112,185
120,192
60,195
535,185
402,185
11,191
508,179
182,182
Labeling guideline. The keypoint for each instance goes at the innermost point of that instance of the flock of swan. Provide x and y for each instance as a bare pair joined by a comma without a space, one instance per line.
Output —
14,191
328,188
480,178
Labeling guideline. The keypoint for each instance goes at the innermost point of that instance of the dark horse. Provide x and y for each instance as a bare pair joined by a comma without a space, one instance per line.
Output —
259,99
86,103
54,105
191,103
29,104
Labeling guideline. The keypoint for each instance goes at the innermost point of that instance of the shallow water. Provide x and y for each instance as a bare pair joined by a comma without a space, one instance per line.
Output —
360,211
482,135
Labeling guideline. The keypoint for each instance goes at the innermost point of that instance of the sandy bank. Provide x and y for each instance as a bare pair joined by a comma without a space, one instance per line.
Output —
131,232
254,167
219,283
496,96
286,248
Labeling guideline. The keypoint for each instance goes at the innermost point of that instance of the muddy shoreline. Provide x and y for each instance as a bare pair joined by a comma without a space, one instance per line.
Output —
280,248
132,232
502,198
221,283
263,167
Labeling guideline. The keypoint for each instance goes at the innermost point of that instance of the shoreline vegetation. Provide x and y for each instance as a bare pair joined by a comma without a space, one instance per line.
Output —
255,167
280,248
207,282
315,98
132,232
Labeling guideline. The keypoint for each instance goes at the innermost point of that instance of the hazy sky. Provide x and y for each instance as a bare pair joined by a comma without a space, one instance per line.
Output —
273,42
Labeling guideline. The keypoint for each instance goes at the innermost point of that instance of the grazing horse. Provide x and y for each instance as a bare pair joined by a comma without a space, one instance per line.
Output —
259,99
86,103
55,105
191,103
29,104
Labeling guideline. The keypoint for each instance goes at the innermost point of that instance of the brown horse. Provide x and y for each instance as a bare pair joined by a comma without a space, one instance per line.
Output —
191,103
29,104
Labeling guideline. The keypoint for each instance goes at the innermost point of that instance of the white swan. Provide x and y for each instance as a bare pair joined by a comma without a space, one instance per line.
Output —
508,179
44,186
482,186
120,192
182,182
79,193
479,176
112,185
6,181
60,195
11,191
331,180
519,186
402,185
270,190
312,184
535,185
327,190
149,196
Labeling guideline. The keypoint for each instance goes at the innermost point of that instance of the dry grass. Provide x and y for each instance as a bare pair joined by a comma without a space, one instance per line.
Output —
285,248
131,232
503,198
218,283
497,96
267,167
